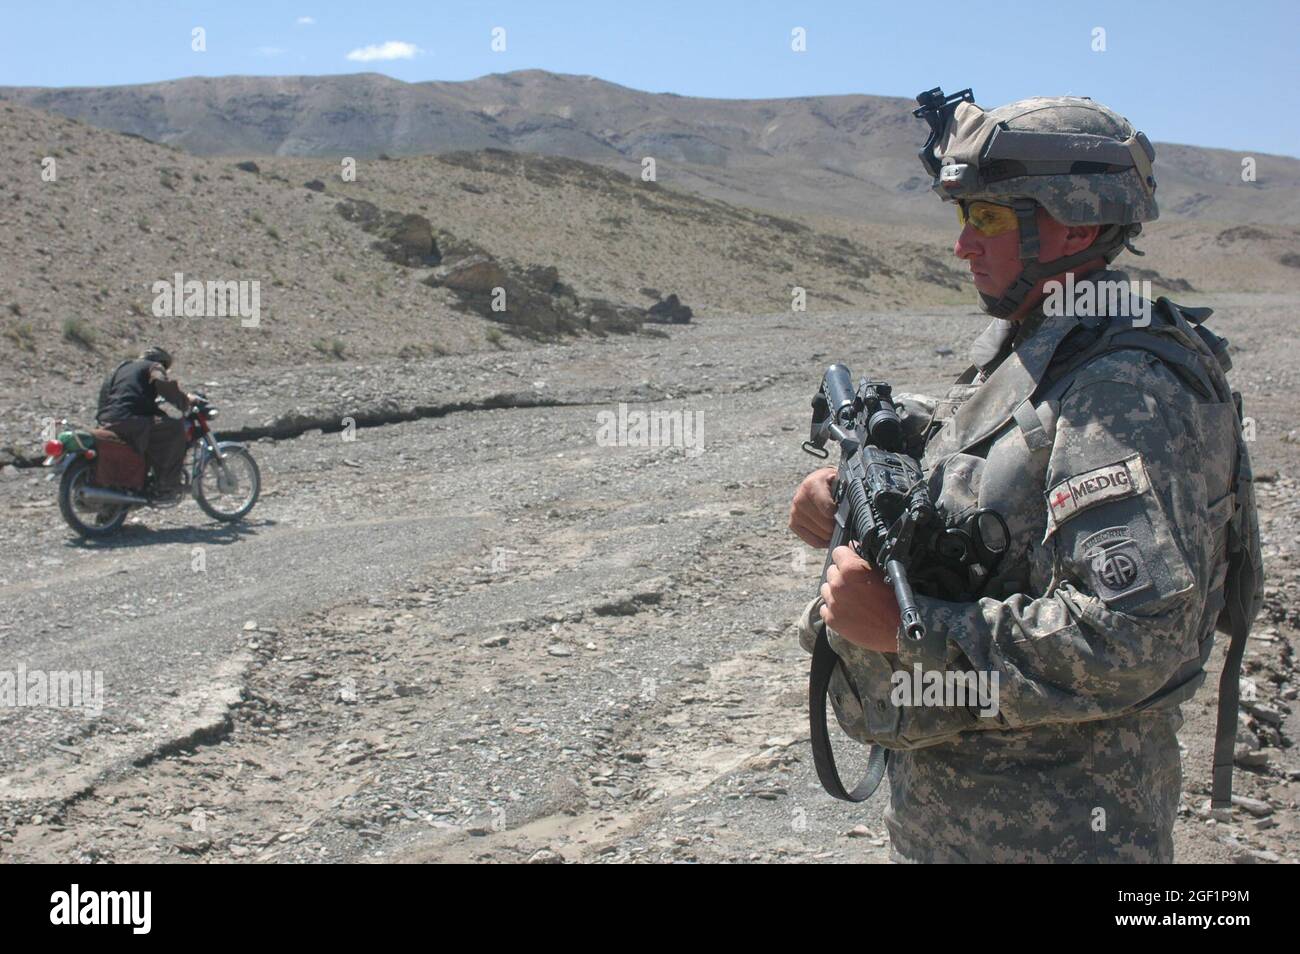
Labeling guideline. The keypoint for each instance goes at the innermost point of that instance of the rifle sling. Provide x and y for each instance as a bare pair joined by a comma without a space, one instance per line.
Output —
823,666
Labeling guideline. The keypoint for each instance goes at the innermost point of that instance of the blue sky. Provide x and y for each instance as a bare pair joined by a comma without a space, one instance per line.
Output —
1201,72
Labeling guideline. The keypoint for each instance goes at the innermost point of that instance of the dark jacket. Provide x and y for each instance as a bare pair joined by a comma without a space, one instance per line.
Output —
130,390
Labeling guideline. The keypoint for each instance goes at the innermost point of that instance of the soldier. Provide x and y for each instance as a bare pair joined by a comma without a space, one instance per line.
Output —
1101,428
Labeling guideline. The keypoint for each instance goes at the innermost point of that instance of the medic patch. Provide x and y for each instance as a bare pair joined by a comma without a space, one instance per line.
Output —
1115,563
1112,482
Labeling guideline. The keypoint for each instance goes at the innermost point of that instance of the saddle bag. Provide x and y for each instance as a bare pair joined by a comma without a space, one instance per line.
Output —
117,464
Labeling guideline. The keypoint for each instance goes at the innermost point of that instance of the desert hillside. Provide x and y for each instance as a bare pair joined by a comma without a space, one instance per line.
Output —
342,270
357,270
851,155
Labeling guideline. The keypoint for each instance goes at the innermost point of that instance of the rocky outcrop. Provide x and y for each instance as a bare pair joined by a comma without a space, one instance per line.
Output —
611,316
473,275
530,301
669,311
404,238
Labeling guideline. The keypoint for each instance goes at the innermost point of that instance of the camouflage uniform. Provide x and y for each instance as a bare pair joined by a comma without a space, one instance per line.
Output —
1095,624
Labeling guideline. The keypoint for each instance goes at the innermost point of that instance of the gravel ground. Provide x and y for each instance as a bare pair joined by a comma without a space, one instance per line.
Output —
477,633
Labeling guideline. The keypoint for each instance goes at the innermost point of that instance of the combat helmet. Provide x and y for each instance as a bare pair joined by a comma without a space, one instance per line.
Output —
1083,163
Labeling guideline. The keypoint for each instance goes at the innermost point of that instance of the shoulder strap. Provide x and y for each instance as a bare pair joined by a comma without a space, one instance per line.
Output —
1225,730
1243,592
1186,349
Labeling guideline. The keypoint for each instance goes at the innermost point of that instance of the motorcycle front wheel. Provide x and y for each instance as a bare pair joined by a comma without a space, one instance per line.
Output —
227,489
89,520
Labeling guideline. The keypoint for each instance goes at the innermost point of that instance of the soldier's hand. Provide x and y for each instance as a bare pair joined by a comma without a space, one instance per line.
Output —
812,512
859,604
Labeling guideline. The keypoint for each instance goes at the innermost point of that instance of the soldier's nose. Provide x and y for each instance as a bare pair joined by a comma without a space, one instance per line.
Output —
968,244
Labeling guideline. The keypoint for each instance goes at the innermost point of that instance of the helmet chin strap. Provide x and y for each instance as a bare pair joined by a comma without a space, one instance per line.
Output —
1107,244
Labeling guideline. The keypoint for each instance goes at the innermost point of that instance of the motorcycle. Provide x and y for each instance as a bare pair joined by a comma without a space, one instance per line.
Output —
102,478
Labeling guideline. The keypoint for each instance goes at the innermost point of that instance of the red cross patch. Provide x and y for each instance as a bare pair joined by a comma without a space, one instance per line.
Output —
1112,482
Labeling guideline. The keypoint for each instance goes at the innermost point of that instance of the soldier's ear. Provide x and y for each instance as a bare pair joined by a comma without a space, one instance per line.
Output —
1079,237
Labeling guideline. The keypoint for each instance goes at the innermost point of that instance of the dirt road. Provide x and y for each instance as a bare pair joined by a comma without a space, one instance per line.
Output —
487,634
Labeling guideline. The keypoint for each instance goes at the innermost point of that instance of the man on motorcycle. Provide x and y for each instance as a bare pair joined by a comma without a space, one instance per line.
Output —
127,407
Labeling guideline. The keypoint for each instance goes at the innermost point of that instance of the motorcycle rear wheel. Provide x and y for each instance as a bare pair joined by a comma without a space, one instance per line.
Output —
89,522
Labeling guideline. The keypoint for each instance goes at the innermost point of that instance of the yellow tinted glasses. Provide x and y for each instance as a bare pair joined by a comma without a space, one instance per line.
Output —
989,218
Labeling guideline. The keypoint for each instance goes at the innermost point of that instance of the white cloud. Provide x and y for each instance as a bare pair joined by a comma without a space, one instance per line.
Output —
306,21
392,50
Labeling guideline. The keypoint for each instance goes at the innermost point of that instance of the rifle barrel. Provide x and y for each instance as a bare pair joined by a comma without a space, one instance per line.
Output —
907,608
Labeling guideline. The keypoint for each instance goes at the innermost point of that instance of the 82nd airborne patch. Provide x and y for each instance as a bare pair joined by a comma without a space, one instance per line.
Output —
1112,482
1115,563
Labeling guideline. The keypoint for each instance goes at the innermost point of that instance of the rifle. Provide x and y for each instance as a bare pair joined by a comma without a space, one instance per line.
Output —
884,511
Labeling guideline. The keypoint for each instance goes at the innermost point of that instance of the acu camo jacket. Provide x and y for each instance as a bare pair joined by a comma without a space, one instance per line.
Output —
1114,493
